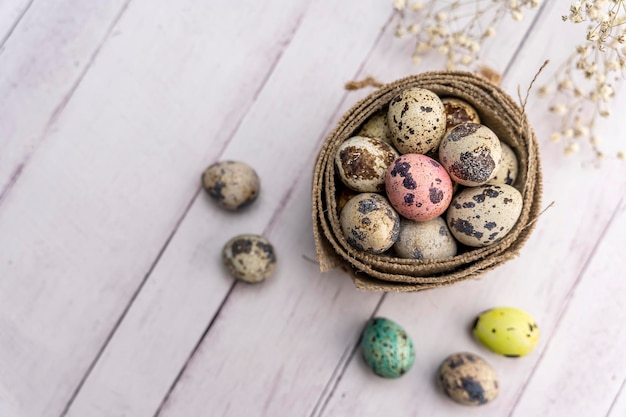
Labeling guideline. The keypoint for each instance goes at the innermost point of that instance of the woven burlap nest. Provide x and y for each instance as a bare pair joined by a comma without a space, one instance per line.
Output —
499,112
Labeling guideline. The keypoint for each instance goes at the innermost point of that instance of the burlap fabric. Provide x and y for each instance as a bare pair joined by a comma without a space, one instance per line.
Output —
499,112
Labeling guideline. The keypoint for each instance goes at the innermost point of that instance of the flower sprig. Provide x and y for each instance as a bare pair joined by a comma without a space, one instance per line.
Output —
455,29
583,87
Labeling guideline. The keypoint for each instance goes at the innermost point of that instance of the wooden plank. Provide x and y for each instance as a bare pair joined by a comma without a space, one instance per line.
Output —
11,12
618,406
585,356
92,210
41,65
284,127
439,320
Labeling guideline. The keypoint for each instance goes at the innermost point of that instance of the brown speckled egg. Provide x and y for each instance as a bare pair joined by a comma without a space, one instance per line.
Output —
483,215
507,171
232,184
362,163
369,223
458,112
417,121
468,379
249,258
418,187
425,240
343,196
376,127
471,154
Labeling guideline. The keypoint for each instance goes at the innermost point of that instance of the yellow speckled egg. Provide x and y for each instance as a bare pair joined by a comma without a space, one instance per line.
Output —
471,154
417,121
507,171
507,331
369,223
481,216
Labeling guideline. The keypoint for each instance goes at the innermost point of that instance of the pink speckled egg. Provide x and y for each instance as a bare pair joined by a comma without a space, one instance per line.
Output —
418,187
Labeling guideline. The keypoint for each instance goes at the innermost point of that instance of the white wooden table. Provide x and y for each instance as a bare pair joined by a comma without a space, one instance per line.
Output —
113,300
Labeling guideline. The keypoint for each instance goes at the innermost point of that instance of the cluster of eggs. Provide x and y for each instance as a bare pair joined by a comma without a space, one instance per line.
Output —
424,175
464,377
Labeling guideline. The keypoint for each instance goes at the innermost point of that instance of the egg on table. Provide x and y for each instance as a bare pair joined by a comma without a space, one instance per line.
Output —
232,184
481,216
430,239
471,154
468,379
417,121
369,223
249,258
362,163
507,331
418,187
507,171
387,348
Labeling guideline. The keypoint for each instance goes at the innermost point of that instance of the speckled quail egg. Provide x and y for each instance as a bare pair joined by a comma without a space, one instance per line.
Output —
458,112
507,331
425,240
249,258
387,348
483,215
417,121
418,187
232,184
369,223
471,154
376,127
468,379
507,171
362,163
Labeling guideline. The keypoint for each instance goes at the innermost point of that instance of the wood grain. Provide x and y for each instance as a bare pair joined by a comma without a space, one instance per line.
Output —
94,207
584,357
44,58
286,126
113,301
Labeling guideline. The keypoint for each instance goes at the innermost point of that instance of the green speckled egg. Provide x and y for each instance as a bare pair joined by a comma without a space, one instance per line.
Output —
507,331
387,348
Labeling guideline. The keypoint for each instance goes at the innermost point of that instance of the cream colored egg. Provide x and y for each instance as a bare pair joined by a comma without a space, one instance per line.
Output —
417,121
425,240
484,215
369,223
507,172
468,379
376,127
458,112
362,163
249,258
471,154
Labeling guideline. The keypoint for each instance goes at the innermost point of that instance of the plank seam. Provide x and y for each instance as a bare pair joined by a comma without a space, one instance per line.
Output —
337,374
179,222
180,374
15,25
566,303
614,402
519,48
58,110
